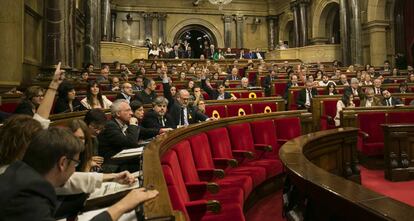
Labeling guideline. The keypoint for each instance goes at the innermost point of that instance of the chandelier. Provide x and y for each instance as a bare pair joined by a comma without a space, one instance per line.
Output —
220,3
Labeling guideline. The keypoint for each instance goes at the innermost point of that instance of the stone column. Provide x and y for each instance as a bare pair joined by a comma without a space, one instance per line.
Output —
59,33
356,35
344,19
161,27
148,17
227,19
303,8
273,36
378,39
113,26
93,32
295,10
239,31
106,20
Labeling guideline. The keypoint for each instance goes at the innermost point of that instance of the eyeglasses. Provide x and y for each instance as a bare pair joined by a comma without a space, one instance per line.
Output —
40,95
77,162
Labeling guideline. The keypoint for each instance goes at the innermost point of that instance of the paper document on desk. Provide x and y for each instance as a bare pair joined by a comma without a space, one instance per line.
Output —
109,188
86,216
129,152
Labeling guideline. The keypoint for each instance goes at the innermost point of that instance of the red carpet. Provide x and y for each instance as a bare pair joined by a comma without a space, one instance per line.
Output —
267,209
375,181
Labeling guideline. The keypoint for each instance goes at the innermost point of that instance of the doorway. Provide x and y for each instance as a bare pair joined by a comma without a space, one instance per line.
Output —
197,36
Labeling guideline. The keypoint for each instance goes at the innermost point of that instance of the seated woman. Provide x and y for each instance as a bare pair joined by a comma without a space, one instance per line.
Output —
331,89
345,101
32,98
94,97
145,133
67,101
89,159
182,76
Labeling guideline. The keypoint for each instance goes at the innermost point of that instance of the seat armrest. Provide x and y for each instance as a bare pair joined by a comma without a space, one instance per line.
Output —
202,206
210,174
223,163
198,190
282,141
263,147
363,134
243,154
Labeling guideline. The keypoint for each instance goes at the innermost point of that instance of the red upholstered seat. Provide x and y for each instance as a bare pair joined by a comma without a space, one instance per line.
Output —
216,111
9,107
264,107
197,210
189,171
292,101
264,132
205,96
234,110
328,114
407,100
400,117
236,94
221,148
242,140
287,129
280,88
374,143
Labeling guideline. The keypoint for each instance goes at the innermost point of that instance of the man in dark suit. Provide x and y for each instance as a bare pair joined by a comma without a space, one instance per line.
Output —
147,95
234,76
126,92
267,84
188,53
354,89
219,93
176,52
120,133
250,55
377,86
292,83
389,100
158,117
179,109
305,96
28,187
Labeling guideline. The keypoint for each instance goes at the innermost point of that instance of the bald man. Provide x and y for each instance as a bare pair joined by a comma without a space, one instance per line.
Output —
126,92
179,109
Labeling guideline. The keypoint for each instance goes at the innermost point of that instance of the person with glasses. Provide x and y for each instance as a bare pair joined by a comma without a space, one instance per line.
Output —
32,98
28,187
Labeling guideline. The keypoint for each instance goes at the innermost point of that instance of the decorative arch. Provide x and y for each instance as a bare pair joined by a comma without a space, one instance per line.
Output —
199,22
376,10
323,17
284,26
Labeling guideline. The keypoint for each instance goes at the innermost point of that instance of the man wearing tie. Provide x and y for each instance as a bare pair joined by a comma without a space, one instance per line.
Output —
234,76
158,118
354,89
305,96
377,86
390,101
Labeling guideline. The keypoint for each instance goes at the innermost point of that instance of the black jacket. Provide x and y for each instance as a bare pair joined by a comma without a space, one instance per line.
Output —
394,101
174,110
62,106
302,97
267,85
112,140
146,98
25,107
213,94
154,121
348,90
26,195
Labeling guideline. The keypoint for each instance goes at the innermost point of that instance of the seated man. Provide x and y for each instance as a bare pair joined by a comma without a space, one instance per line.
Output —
325,81
343,80
244,83
147,95
305,96
27,187
219,93
377,86
179,109
139,84
389,100
369,99
267,84
158,117
121,132
234,76
126,92
354,89
114,84
292,83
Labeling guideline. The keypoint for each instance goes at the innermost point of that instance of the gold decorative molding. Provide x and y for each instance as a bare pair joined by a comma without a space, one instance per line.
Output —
124,53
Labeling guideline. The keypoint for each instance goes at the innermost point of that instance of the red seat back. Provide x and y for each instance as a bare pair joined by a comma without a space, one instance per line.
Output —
187,165
329,108
170,159
265,107
9,107
373,128
264,132
220,143
280,88
216,111
288,128
201,151
400,117
234,110
241,136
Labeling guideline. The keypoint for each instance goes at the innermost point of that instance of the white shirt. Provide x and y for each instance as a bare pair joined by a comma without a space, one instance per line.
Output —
308,97
106,102
259,56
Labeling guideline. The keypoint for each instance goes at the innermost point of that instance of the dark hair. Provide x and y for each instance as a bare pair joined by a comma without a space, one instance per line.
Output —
95,116
16,134
87,154
329,86
135,105
345,98
30,93
48,146
147,82
89,95
64,89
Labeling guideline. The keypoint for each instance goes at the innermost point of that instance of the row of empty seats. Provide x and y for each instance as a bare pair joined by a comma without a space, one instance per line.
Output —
192,165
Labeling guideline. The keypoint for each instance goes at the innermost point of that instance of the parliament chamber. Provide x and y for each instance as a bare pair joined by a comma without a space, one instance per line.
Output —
207,110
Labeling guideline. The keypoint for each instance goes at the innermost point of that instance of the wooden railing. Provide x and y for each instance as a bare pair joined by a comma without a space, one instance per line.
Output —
315,164
153,174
